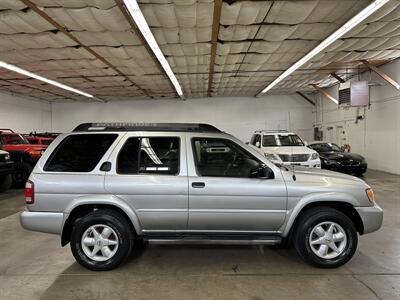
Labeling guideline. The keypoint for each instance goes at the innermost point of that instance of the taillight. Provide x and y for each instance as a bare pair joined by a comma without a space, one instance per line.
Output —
29,192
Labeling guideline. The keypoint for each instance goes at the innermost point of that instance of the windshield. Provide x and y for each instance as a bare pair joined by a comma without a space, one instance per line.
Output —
279,140
12,139
326,147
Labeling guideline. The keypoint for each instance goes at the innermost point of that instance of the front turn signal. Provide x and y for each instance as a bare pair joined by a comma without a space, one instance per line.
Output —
370,195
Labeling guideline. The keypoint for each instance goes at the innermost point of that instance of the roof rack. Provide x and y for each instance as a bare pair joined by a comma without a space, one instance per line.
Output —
118,126
278,130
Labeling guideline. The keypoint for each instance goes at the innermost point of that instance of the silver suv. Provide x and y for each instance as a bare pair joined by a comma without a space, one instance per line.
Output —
108,186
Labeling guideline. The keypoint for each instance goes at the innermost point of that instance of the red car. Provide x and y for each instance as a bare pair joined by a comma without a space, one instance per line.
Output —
37,140
24,154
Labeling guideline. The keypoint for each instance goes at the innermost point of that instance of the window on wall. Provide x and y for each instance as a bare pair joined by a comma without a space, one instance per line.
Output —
149,155
222,158
79,153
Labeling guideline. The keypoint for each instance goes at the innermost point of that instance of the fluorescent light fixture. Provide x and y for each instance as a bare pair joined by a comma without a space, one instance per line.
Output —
357,19
38,77
144,28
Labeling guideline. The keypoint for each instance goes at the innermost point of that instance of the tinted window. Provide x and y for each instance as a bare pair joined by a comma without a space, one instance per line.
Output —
222,158
79,153
128,157
157,155
269,141
326,147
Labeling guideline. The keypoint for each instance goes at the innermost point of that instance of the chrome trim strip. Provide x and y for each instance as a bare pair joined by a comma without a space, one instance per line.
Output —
219,210
209,231
215,242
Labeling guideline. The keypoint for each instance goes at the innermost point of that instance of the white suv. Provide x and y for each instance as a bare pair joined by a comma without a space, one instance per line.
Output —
285,148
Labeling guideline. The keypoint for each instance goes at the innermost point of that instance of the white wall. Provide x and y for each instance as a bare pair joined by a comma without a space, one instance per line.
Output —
24,115
377,137
239,116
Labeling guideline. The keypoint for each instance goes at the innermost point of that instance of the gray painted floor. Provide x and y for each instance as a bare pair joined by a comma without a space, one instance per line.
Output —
34,266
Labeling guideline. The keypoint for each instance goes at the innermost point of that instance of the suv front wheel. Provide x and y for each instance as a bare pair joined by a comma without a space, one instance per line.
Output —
325,237
101,240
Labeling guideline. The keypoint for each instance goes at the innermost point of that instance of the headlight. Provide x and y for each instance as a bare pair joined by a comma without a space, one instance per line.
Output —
314,156
370,195
7,157
271,156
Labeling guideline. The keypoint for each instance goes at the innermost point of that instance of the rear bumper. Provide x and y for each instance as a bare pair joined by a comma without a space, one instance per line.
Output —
48,222
371,216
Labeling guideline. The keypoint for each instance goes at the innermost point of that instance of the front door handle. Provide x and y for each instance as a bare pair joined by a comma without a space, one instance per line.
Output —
198,185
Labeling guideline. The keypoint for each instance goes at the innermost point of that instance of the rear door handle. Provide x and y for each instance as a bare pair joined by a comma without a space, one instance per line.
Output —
198,185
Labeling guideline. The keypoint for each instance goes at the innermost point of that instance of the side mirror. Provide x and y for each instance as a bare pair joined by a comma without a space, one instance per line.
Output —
258,144
262,172
305,143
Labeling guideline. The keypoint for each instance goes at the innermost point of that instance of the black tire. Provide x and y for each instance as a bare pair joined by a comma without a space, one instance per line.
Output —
22,170
5,183
115,221
311,218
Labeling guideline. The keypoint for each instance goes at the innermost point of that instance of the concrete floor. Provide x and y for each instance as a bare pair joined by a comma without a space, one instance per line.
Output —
34,266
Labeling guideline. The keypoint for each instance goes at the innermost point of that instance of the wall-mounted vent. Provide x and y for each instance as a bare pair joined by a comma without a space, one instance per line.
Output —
344,93
354,93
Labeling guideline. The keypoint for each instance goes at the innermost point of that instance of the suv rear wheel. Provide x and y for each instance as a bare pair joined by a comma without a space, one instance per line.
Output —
101,240
22,170
325,237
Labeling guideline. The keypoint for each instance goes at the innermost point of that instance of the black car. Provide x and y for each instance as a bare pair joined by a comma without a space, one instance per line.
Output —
6,170
335,159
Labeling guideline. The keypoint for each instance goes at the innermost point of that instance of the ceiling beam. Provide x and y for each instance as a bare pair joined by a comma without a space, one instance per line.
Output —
214,42
338,78
325,93
34,87
382,74
304,96
45,16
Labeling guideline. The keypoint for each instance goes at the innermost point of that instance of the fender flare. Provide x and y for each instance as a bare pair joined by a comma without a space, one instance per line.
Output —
312,199
105,200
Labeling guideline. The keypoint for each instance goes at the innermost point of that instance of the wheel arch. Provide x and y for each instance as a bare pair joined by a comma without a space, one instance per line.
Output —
82,207
344,205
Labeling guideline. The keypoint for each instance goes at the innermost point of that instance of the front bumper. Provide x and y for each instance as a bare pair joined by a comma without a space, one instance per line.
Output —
371,216
349,169
308,164
48,222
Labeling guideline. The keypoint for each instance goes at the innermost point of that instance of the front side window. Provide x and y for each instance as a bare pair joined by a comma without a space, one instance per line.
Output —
149,155
222,158
79,153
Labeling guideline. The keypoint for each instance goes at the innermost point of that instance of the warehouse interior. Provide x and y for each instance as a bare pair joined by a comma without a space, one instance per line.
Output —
240,66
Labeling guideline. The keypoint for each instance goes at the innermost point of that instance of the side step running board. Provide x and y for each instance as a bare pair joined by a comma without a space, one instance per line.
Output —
200,241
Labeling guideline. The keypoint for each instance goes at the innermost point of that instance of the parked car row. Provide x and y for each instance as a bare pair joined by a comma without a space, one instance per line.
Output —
23,151
286,148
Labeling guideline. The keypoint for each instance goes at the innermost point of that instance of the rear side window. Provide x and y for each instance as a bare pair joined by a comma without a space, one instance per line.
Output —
149,155
79,153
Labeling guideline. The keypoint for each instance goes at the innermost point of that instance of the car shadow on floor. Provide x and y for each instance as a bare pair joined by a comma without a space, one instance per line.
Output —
182,267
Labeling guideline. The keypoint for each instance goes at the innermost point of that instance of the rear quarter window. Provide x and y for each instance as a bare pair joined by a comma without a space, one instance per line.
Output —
79,153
